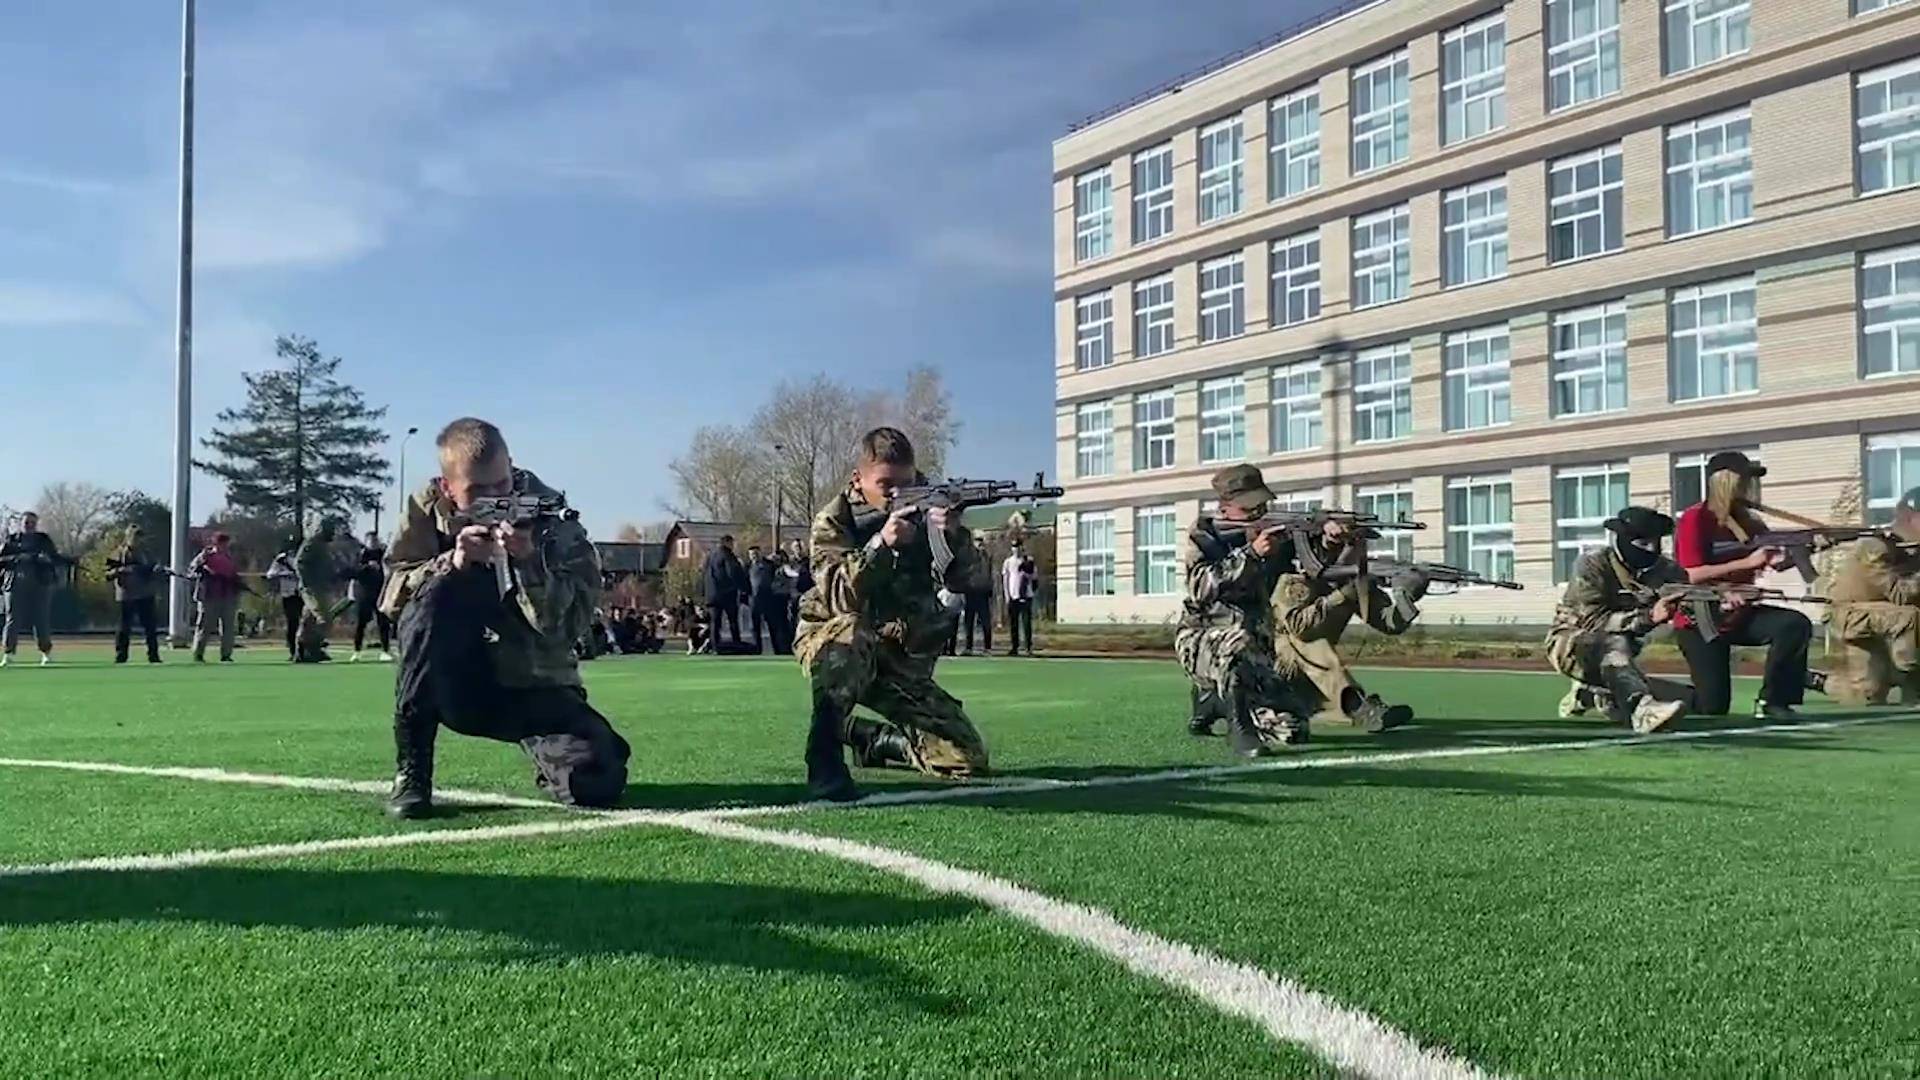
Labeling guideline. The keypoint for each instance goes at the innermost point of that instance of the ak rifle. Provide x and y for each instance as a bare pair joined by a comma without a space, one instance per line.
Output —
1800,544
954,495
1395,572
1703,599
1303,527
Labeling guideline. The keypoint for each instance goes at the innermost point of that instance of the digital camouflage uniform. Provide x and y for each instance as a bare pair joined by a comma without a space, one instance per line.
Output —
1876,612
1600,624
1225,640
872,628
323,580
1312,614
499,668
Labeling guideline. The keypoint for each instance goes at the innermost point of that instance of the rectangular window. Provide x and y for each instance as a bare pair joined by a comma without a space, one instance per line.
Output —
1383,393
1473,79
1890,312
1389,502
1590,360
1092,215
1886,104
1223,298
1382,112
1223,420
1583,51
1698,32
1893,469
1153,193
1093,555
1710,173
1296,407
1582,499
1298,502
1480,525
1382,257
1293,144
1153,430
1474,230
1156,552
1153,315
1222,165
1690,478
1585,214
1479,379
1712,343
1295,293
683,548
1093,438
1863,7
1093,331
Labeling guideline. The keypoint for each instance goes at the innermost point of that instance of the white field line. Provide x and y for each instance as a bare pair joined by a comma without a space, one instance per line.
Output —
1359,1043
304,783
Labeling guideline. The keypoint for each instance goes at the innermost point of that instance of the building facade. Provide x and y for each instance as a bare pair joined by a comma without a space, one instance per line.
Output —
1501,267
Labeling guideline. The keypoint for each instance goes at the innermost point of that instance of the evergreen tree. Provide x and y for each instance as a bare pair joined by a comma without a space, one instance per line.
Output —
303,447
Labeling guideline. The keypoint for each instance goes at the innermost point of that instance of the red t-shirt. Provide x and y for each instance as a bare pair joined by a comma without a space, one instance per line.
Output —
1694,536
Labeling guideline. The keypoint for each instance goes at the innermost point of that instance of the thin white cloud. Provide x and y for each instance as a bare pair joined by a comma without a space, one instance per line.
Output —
65,185
39,303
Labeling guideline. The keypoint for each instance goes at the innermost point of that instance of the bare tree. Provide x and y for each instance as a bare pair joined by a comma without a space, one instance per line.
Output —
75,515
722,476
815,425
925,413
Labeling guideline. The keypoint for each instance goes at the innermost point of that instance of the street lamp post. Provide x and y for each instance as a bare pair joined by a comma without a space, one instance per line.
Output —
401,513
777,448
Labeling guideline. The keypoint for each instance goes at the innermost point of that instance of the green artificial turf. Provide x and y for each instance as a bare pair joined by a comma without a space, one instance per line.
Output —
1736,907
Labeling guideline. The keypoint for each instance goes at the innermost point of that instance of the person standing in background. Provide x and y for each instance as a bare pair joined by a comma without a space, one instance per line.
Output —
369,577
29,573
285,581
217,588
135,580
1017,577
720,579
801,573
977,607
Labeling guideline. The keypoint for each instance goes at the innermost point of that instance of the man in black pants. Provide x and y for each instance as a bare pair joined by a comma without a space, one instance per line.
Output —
1017,575
285,580
721,579
484,664
368,578
136,577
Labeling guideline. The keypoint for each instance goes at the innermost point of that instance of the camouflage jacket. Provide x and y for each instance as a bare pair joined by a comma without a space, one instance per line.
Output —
1877,572
1227,584
892,591
555,590
319,564
1603,596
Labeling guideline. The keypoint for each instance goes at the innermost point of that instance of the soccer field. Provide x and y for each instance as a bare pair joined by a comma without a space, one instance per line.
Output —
198,881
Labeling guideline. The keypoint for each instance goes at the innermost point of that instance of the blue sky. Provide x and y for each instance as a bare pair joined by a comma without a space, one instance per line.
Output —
600,224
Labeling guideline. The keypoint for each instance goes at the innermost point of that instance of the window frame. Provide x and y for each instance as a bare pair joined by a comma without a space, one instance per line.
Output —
1398,114
1395,257
1152,204
1696,294
1483,192
1083,586
1282,283
1397,388
1284,151
1909,326
1469,531
1609,199
1489,27
1397,543
1668,67
1595,360
1099,442
1163,558
1285,405
1886,73
1234,428
1094,334
1147,320
1592,47
1500,359
1607,472
1729,184
1871,506
1234,293
1228,176
1155,431
1092,228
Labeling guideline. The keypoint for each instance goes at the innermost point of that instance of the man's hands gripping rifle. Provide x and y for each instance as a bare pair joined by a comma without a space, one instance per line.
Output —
1705,601
941,503
1410,580
1306,527
501,528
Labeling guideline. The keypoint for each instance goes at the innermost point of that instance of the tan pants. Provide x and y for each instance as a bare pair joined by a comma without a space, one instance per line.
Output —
216,616
1880,650
1316,672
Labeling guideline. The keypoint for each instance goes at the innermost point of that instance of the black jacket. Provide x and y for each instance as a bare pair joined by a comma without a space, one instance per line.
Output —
722,578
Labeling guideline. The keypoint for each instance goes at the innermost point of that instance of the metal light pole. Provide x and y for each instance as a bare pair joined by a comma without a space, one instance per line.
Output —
179,596
777,448
400,514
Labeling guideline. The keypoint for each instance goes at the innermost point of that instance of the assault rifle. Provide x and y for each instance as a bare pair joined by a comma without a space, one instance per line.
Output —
955,495
1800,544
1701,600
1305,526
517,510
121,566
1396,572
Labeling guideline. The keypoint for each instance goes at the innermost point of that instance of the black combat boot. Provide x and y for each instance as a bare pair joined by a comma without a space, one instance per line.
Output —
1206,710
827,775
1249,735
412,797
877,746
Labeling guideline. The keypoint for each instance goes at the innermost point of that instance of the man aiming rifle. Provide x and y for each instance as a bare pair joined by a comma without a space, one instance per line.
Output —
136,578
1612,602
1876,612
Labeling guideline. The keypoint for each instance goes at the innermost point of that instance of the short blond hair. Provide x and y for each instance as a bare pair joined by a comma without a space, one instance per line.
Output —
469,441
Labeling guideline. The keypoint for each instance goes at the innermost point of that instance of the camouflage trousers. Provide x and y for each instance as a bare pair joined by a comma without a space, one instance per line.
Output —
851,664
316,618
1315,673
1235,668
1880,647
1611,662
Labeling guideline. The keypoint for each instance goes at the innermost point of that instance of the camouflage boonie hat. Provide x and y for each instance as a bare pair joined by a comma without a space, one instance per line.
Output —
1242,486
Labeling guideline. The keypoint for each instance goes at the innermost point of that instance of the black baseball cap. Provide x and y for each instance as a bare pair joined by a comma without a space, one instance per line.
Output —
1640,523
1735,461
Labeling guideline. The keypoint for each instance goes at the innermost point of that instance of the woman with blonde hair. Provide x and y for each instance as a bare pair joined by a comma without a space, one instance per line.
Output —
1726,517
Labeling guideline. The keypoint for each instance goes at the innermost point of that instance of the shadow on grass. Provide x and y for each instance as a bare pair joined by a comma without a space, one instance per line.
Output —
532,919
